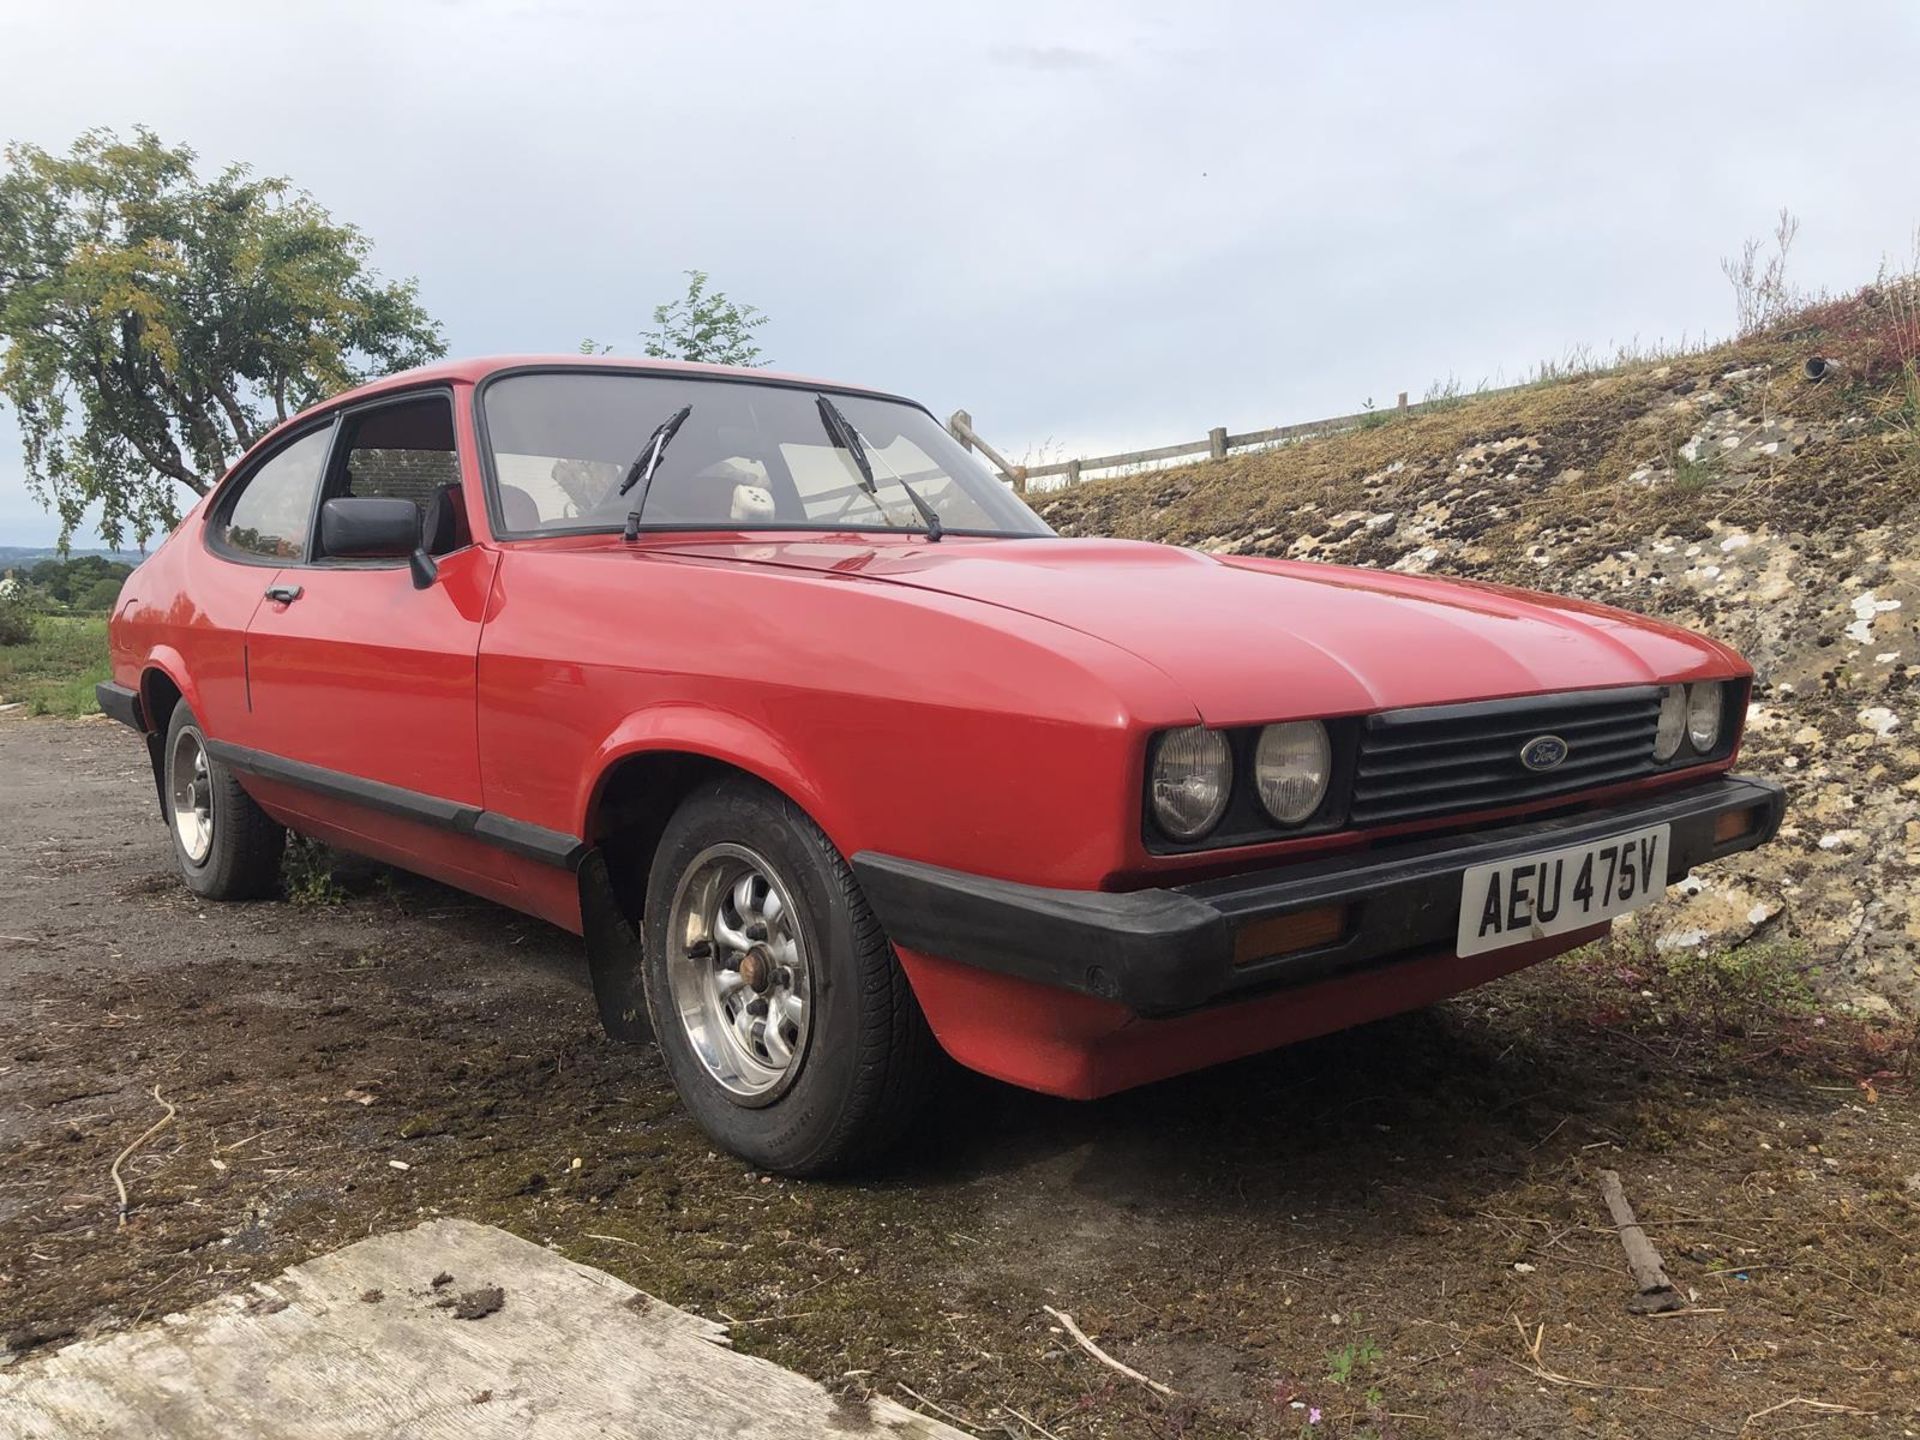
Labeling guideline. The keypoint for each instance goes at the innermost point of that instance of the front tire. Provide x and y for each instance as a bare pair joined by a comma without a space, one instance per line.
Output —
226,846
783,1017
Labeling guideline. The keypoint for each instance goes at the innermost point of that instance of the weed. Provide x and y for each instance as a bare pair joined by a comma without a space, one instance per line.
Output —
1762,298
1723,1010
307,872
1447,394
1691,477
1351,1360
16,620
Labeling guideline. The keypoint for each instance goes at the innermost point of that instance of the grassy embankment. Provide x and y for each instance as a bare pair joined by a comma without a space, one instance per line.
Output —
54,673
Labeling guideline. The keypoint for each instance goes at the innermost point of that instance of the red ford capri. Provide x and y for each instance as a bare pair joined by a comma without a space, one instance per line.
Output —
838,758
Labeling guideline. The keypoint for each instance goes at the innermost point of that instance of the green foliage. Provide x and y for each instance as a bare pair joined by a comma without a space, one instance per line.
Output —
704,325
16,619
99,597
153,324
1351,1360
1739,989
74,582
1690,477
54,673
306,869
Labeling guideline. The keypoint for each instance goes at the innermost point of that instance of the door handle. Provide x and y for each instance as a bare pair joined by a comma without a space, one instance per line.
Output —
285,594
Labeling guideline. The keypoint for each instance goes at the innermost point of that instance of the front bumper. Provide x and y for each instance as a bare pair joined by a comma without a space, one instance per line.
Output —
1165,951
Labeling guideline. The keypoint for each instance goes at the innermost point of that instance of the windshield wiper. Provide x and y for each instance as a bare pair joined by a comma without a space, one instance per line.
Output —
843,434
646,462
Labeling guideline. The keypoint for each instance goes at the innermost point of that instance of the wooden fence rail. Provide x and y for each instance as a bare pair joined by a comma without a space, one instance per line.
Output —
1215,446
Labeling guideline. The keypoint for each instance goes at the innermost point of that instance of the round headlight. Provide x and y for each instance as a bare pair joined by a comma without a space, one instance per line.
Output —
1192,778
1703,715
1291,766
1672,728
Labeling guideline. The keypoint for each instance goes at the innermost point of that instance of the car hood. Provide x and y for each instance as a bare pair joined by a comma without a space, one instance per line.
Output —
1252,639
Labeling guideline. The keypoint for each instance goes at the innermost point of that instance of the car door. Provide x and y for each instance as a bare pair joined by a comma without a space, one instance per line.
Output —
259,523
365,682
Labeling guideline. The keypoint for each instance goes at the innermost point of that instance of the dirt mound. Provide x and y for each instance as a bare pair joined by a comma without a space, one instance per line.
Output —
1723,491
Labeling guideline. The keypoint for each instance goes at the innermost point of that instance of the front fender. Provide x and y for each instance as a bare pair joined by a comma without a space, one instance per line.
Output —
713,735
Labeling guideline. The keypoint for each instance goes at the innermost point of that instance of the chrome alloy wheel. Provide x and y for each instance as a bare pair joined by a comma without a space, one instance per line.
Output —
738,970
190,796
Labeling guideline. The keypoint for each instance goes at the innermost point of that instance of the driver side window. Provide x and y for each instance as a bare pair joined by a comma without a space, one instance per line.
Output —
404,450
271,516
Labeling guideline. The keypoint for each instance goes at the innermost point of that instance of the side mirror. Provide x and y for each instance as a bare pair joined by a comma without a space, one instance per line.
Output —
376,527
369,527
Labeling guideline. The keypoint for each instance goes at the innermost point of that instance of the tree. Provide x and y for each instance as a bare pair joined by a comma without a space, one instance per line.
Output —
153,324
704,325
99,596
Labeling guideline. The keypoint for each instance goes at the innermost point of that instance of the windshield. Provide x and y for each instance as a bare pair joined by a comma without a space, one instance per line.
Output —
747,457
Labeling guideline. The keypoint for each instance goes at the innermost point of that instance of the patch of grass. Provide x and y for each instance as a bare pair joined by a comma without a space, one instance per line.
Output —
1691,477
307,871
54,672
1729,1011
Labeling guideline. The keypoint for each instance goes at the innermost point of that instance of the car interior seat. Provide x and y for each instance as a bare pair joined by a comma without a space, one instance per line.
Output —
443,526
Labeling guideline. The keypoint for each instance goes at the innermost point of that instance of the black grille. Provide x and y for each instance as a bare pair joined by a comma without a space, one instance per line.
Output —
1440,759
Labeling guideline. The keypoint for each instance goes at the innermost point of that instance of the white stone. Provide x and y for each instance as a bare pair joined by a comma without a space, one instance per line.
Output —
1866,605
1688,939
571,1351
1879,719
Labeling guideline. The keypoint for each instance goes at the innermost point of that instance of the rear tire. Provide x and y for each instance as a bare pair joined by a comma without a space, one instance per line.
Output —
225,845
782,1014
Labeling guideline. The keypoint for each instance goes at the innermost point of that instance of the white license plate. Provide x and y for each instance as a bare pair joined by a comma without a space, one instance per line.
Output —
1539,896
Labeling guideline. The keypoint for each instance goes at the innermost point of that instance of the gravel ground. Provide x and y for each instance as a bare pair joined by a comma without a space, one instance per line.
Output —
1397,1231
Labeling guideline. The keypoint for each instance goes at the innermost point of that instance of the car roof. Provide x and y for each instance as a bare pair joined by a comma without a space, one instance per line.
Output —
472,370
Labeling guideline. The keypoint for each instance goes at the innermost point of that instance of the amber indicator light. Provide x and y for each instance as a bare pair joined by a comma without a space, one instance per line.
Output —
1302,930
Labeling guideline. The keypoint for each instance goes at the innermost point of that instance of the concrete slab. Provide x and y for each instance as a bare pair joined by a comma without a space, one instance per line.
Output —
362,1343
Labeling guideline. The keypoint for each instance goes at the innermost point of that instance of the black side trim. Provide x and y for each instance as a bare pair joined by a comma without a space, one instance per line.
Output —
533,842
1164,951
121,703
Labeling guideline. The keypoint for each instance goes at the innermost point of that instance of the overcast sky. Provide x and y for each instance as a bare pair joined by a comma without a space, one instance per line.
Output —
1103,225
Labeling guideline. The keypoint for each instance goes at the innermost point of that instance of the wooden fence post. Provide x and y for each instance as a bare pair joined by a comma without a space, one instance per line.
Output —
1217,443
1073,472
961,428
1403,402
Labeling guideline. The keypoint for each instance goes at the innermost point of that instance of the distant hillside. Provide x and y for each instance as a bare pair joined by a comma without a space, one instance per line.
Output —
11,555
1721,490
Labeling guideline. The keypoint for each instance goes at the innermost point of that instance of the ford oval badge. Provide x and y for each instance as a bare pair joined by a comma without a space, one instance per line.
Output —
1543,752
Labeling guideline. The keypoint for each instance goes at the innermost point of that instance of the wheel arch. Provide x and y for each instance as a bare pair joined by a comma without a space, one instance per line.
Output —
641,777
161,690
164,683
